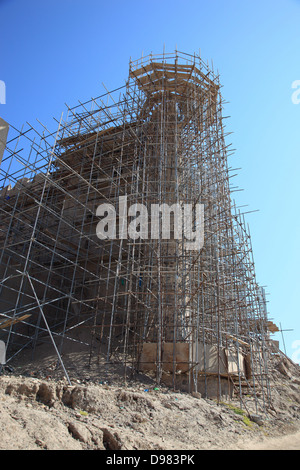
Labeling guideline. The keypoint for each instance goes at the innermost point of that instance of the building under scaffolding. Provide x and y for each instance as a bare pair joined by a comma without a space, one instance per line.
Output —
196,319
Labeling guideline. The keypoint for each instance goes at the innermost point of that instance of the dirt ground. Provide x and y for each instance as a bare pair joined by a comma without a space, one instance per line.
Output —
40,411
289,442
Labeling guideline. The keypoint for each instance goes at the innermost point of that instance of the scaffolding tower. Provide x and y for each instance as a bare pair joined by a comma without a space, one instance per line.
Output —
197,319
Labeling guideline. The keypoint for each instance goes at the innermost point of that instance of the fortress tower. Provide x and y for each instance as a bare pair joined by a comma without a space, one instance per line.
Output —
196,319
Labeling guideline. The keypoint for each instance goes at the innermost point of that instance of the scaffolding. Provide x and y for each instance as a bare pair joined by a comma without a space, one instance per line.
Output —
197,319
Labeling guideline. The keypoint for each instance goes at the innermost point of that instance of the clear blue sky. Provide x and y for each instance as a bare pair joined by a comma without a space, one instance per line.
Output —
57,51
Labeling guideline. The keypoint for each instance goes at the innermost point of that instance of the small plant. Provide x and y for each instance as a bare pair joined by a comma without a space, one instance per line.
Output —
247,421
236,410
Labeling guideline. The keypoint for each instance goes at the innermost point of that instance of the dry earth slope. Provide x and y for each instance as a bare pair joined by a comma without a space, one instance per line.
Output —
45,413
